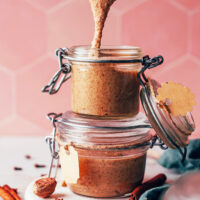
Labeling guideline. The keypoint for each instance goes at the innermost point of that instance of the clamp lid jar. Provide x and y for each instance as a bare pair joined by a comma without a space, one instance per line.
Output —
102,158
104,81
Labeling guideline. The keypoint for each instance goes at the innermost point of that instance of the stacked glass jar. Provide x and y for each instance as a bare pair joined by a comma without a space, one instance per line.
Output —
104,139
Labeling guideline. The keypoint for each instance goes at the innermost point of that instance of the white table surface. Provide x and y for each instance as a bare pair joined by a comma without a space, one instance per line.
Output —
13,151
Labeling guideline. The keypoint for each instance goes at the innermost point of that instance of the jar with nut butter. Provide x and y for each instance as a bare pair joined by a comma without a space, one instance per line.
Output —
104,81
106,158
102,158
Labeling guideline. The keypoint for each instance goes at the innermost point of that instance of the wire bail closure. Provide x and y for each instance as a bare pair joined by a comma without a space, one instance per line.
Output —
62,75
50,140
156,141
148,63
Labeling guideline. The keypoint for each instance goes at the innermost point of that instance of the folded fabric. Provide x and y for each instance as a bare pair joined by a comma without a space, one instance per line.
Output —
154,193
171,158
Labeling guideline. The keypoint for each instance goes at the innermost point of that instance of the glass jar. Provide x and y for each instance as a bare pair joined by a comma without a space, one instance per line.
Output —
104,81
102,158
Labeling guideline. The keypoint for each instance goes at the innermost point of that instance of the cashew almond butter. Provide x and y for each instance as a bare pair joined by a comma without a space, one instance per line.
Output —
44,187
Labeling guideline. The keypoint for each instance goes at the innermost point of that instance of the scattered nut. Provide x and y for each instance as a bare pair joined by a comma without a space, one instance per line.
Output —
44,187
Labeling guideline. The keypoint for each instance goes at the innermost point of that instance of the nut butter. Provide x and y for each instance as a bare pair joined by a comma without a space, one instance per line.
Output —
100,9
107,85
108,156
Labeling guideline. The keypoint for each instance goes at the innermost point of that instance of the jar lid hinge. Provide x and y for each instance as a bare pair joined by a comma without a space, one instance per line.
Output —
148,63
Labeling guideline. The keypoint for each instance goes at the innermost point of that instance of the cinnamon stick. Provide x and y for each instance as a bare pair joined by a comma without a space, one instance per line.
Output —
154,182
5,195
11,191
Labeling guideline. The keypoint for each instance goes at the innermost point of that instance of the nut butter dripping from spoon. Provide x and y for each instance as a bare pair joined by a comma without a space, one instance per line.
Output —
100,9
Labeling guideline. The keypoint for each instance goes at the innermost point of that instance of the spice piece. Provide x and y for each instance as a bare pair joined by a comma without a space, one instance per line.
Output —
100,9
39,166
64,184
44,187
28,157
12,192
177,98
154,182
17,168
5,195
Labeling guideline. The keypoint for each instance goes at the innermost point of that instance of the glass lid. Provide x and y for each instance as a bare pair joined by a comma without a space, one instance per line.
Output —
93,131
174,131
73,120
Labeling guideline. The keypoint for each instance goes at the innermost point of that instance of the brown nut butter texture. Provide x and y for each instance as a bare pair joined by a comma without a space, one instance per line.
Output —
105,89
107,173
100,9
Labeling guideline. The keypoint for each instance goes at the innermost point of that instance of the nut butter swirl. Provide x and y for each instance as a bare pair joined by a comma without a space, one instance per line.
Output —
100,9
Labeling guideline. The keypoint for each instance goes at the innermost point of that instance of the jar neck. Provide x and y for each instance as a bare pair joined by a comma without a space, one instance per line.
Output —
115,54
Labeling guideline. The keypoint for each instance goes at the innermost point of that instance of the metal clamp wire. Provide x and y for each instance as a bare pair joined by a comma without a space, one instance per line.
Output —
61,76
161,144
51,139
52,144
156,141
148,63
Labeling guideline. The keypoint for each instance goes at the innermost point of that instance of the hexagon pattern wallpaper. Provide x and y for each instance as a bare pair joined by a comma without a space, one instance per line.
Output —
31,30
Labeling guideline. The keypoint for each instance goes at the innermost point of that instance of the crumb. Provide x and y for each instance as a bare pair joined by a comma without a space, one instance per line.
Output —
64,184
39,166
43,175
28,157
177,98
17,168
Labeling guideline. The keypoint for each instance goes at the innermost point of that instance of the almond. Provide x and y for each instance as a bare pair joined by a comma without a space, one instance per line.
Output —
44,187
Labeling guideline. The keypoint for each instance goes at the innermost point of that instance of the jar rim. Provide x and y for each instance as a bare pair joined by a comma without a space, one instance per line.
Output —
73,120
90,132
116,54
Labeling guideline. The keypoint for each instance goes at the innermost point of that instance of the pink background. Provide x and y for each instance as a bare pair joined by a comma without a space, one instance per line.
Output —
30,31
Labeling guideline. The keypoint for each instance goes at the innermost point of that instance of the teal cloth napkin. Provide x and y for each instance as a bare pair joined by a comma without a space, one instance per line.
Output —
171,159
154,193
